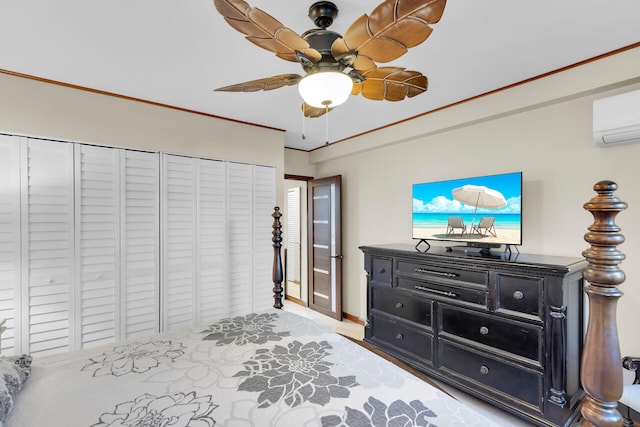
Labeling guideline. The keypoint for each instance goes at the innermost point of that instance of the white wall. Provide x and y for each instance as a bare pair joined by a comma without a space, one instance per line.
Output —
542,128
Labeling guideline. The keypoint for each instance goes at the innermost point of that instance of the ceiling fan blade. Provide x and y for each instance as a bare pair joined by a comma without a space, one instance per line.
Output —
390,84
264,30
393,27
268,83
313,112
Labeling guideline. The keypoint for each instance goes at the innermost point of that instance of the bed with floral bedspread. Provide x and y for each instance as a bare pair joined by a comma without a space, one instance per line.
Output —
269,369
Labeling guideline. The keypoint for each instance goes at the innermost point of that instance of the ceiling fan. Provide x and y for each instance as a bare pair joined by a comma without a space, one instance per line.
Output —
387,33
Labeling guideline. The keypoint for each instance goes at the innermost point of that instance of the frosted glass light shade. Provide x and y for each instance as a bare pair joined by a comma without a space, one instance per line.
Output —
325,89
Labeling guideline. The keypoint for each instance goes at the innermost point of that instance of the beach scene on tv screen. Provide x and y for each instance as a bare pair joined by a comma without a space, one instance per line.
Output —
482,209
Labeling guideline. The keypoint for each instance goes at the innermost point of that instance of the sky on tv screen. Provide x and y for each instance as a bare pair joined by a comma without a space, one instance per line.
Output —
436,197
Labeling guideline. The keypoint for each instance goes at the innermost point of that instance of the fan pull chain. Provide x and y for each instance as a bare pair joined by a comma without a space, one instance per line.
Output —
303,135
326,114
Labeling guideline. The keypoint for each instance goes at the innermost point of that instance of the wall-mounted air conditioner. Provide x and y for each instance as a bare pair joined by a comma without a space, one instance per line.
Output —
616,119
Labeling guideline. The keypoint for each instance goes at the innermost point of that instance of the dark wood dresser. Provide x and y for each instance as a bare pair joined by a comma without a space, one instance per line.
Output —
507,328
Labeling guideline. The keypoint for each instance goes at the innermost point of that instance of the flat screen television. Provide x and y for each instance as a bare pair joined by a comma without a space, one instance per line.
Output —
482,212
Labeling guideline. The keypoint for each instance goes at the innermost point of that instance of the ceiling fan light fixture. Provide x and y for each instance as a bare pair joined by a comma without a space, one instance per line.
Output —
325,89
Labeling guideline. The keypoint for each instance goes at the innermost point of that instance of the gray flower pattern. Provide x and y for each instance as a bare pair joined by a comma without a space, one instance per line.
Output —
294,374
12,377
240,330
6,404
377,414
134,357
175,410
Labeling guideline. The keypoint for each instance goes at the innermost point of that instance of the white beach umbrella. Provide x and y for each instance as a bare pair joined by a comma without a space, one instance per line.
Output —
479,196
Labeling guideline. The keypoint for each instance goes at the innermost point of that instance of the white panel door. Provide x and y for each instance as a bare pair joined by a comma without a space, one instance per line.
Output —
240,229
140,243
293,236
47,246
264,200
10,296
179,241
97,205
212,241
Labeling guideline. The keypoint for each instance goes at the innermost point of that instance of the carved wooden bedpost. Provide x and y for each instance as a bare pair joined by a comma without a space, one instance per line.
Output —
277,258
601,370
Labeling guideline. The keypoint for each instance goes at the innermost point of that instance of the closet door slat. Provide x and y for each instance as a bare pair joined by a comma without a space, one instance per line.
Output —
10,301
212,236
48,246
179,241
97,244
240,229
264,200
140,251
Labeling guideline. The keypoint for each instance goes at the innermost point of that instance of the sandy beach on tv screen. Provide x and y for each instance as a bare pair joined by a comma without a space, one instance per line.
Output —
503,235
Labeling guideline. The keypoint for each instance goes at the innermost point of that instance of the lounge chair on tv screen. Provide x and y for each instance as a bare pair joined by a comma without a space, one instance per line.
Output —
455,222
486,224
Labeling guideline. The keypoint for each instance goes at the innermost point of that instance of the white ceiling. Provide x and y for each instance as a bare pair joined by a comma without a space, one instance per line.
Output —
175,52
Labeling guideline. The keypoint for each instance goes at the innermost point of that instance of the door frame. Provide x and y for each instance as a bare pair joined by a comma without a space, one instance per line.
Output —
304,267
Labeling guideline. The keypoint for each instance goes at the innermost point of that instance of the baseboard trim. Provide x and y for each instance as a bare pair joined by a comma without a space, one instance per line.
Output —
352,318
295,300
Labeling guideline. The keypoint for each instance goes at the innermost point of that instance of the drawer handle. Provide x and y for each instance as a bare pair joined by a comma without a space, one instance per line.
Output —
399,337
484,370
399,305
484,330
437,273
518,295
435,291
382,270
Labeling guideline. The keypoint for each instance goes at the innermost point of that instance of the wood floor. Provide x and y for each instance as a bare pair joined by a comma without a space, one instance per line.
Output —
346,327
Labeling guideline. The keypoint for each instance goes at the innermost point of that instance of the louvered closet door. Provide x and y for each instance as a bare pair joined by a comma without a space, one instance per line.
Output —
179,241
140,243
240,229
97,244
10,302
264,199
47,246
212,237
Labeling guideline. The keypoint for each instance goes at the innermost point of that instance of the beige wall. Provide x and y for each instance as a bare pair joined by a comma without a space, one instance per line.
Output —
34,108
297,163
542,128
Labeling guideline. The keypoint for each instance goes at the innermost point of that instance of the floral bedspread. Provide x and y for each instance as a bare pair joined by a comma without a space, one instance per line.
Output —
268,369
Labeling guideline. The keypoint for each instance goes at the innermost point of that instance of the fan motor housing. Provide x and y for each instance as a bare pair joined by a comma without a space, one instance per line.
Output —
321,40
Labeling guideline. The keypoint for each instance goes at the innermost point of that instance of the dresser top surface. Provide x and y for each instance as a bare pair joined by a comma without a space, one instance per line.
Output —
497,256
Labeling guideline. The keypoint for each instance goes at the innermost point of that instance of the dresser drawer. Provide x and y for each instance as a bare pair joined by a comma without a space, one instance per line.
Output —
380,271
514,337
457,293
511,380
399,337
520,294
401,305
435,273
